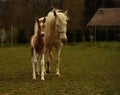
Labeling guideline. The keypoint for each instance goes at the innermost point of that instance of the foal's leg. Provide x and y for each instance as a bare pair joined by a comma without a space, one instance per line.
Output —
37,68
42,67
34,63
58,51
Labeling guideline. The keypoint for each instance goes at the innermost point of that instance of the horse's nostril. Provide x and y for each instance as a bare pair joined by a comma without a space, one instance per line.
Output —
64,40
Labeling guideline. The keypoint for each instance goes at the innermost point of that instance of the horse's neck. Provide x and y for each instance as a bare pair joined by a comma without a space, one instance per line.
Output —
51,35
52,40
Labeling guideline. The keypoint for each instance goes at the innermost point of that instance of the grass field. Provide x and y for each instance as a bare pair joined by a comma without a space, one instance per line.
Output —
86,69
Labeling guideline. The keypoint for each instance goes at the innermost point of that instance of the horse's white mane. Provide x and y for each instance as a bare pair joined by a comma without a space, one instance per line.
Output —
51,18
35,27
58,12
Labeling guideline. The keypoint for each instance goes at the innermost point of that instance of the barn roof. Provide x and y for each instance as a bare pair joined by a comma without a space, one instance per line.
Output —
105,17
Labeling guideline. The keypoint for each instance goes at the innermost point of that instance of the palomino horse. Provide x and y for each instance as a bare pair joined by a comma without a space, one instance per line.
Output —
38,47
55,35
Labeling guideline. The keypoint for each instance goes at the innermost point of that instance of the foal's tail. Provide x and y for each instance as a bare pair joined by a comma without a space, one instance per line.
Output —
31,47
31,51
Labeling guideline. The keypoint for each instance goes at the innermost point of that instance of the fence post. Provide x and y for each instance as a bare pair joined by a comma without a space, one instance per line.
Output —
11,35
95,34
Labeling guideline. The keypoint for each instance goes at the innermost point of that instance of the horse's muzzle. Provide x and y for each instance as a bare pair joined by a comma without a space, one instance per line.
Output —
64,40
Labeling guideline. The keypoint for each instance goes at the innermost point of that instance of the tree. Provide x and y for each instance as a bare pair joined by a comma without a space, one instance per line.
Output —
91,6
108,3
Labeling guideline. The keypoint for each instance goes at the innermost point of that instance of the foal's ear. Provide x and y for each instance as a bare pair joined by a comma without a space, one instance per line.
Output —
55,14
44,19
37,19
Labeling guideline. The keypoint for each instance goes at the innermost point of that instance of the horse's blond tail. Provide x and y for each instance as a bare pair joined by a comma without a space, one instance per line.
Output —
51,55
35,27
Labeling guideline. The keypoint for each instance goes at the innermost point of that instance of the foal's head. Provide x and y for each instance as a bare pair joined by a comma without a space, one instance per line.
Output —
41,25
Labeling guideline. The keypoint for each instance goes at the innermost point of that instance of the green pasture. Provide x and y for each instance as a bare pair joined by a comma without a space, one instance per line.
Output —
86,69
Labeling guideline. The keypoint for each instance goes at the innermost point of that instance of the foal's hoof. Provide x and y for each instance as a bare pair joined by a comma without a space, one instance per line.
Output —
47,72
38,74
34,78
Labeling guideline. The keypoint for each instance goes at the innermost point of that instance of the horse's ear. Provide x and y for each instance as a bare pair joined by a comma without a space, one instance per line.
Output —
44,19
55,14
53,8
66,12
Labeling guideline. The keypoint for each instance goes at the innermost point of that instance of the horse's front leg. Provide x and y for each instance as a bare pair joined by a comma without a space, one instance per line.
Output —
42,67
58,52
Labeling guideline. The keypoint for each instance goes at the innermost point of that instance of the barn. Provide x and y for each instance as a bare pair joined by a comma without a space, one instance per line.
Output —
105,17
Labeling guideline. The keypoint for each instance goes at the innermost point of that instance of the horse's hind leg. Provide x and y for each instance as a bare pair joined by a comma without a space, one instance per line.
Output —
47,62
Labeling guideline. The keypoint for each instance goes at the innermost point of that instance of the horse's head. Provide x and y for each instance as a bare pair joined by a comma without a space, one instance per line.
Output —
61,24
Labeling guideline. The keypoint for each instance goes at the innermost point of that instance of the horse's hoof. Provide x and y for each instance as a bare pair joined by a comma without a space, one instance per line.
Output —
42,79
58,74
